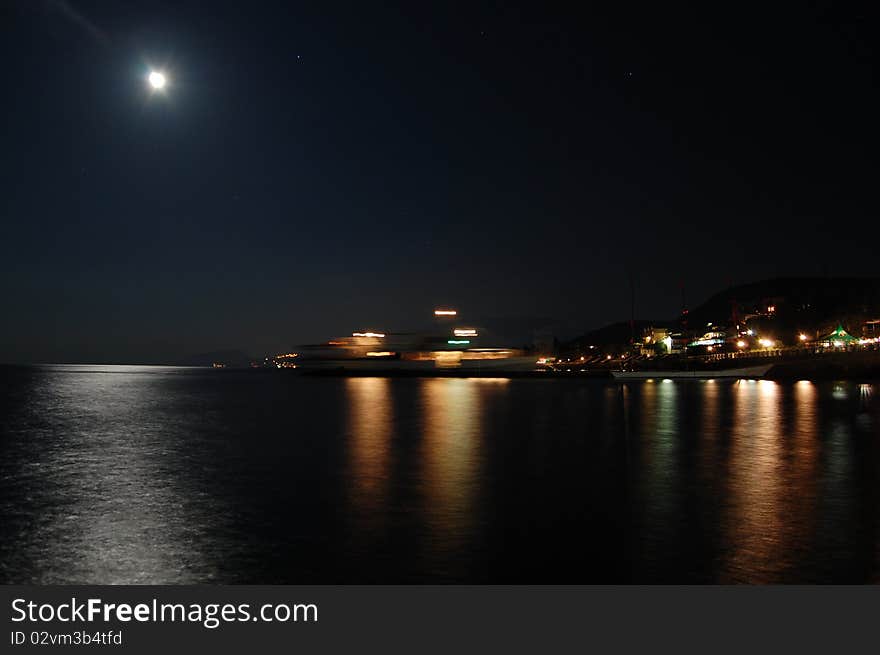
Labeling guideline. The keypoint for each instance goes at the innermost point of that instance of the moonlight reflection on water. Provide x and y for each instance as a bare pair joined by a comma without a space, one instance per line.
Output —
112,474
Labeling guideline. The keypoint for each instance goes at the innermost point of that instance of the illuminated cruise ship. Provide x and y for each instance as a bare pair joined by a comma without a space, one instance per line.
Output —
449,347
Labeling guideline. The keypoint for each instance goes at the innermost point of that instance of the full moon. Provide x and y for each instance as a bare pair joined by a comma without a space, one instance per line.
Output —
157,80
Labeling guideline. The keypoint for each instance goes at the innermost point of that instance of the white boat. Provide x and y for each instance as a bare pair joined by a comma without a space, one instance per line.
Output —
697,374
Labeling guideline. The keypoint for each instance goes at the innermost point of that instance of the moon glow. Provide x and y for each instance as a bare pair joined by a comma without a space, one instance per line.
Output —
157,80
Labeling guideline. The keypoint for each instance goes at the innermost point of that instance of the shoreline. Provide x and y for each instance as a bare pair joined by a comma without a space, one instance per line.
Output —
854,366
873,377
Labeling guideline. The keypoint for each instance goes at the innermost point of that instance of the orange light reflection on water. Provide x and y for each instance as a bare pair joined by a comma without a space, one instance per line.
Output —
371,429
770,489
451,425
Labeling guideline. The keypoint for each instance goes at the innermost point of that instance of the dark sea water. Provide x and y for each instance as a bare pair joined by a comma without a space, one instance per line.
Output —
128,474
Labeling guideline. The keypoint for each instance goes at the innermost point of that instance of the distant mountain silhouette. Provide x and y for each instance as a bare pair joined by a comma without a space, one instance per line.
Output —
615,334
804,302
812,304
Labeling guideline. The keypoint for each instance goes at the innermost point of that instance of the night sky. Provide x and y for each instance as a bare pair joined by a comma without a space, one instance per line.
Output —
310,171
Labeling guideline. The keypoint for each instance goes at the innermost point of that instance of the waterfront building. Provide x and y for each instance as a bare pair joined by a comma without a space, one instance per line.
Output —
655,341
838,338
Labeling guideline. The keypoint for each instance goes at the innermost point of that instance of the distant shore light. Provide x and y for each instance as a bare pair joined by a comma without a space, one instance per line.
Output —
445,312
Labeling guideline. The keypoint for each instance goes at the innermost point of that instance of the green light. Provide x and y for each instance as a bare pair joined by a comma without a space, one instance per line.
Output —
456,342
